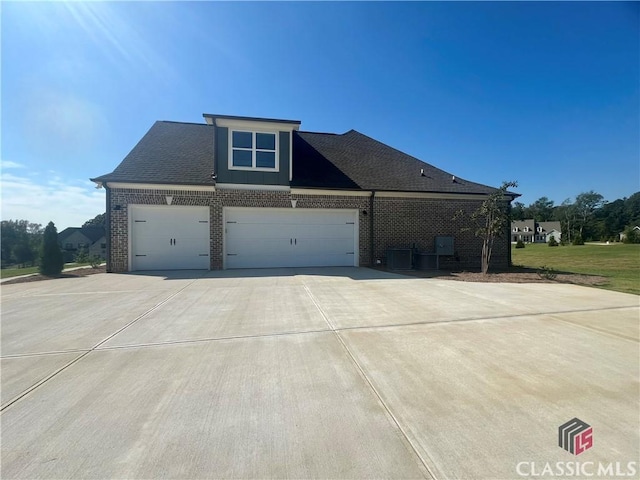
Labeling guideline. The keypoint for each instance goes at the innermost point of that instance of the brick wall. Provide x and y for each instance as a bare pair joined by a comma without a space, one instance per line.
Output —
408,222
398,222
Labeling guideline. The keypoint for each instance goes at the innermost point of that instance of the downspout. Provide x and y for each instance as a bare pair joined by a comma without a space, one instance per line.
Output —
371,243
509,262
107,219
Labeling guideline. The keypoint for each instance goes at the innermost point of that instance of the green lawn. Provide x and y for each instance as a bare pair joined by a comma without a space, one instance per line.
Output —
619,263
15,272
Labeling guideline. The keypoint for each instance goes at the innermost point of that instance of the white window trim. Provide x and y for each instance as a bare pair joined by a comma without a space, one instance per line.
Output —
254,149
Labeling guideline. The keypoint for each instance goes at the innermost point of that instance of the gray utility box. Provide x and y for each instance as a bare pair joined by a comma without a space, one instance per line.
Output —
444,245
427,261
399,258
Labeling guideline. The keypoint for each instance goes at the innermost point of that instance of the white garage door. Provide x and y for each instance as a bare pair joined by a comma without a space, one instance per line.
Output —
286,237
169,237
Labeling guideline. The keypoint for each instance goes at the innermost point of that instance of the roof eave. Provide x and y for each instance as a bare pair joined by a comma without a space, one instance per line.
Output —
210,117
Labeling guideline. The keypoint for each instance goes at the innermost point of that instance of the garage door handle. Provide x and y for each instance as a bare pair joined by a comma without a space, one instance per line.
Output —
295,241
291,241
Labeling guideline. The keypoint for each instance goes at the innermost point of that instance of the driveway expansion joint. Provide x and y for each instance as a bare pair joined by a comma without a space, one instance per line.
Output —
369,382
87,352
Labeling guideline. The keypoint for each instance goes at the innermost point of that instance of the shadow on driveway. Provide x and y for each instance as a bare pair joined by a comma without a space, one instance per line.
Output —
354,273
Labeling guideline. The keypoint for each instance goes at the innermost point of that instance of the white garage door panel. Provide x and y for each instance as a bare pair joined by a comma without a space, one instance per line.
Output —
325,245
266,237
169,237
259,230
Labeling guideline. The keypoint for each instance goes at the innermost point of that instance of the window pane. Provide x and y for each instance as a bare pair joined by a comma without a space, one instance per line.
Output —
242,139
241,158
266,159
266,141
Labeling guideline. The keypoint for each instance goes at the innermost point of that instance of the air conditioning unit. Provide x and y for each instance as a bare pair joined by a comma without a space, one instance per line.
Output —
427,261
399,258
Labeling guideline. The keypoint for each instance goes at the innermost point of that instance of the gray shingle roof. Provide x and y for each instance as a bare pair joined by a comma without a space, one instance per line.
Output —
548,226
170,152
353,160
183,153
92,233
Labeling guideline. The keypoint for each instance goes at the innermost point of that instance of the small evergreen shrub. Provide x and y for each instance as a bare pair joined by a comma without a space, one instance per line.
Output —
577,240
520,244
51,260
553,242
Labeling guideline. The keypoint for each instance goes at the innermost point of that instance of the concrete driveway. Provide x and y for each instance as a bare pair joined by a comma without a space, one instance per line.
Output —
312,373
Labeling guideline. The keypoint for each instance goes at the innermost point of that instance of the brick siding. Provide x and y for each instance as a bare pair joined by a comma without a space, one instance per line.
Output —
409,222
398,222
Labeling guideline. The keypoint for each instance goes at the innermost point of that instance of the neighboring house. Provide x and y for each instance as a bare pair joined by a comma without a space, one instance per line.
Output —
91,240
623,235
530,231
241,192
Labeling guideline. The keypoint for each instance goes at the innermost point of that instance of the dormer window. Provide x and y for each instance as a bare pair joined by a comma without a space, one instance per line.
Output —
515,229
253,150
539,229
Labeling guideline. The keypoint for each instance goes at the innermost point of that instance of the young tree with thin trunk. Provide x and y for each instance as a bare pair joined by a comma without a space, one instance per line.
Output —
569,217
491,220
586,204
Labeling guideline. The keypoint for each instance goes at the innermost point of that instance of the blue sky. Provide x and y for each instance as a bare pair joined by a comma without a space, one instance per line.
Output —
542,93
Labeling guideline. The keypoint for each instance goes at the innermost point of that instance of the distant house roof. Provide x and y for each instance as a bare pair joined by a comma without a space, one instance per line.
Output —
169,153
549,226
519,225
93,234
533,226
183,153
67,232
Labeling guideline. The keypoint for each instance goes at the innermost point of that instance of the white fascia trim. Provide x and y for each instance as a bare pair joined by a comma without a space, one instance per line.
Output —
249,186
433,195
387,194
162,186
256,125
338,193
290,156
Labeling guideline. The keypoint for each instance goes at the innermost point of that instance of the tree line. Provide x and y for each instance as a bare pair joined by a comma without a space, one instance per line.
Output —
22,242
588,215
